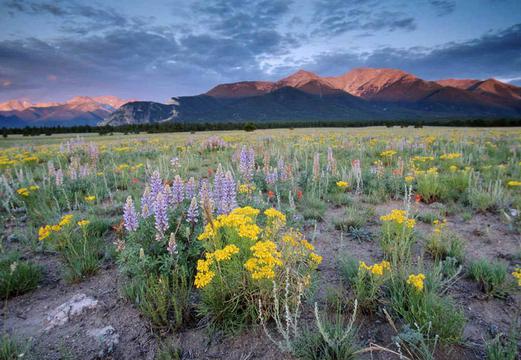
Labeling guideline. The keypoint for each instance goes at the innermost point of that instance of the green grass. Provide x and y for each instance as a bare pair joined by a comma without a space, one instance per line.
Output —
17,276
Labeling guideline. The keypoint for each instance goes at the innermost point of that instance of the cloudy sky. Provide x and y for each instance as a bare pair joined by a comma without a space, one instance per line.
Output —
152,50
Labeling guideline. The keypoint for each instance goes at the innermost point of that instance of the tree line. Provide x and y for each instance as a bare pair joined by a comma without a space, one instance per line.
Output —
249,126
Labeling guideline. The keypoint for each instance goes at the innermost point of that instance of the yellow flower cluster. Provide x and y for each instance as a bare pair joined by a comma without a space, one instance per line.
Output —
388,153
514,183
315,258
204,274
342,184
450,156
30,159
225,253
265,259
399,217
83,223
247,188
409,179
240,219
25,192
275,214
417,281
423,158
377,269
90,198
517,274
439,225
45,231
121,167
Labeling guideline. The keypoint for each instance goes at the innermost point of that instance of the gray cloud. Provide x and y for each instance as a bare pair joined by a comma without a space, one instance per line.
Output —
443,7
495,54
103,50
75,17
337,17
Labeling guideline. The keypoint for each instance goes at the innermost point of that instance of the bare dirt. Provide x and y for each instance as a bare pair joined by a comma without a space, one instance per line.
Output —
27,315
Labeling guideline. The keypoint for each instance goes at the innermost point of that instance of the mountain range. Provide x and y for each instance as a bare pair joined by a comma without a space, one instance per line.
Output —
80,110
362,94
358,95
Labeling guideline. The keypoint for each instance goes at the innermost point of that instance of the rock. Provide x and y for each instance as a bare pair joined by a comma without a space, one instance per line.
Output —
74,307
437,206
107,338
12,238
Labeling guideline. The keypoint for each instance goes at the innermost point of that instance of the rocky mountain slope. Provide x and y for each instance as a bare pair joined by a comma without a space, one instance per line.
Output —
80,110
358,95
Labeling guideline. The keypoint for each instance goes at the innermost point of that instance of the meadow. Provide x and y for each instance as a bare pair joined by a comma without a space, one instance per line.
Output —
338,243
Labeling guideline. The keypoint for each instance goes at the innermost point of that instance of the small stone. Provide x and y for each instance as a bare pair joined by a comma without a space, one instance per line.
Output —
74,307
12,238
107,337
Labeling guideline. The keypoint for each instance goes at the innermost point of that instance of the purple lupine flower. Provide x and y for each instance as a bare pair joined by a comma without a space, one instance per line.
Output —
190,188
156,184
50,169
93,151
218,183
147,203
247,163
174,162
169,196
172,245
193,212
177,190
272,176
205,196
129,215
160,215
84,171
228,200
58,177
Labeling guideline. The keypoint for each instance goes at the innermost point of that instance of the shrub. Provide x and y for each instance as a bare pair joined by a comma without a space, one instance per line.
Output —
353,217
397,236
313,208
420,306
163,298
242,259
429,186
442,243
333,338
11,349
503,347
368,282
17,276
78,242
491,276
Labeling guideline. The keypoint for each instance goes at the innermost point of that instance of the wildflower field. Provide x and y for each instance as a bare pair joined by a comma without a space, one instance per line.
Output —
370,243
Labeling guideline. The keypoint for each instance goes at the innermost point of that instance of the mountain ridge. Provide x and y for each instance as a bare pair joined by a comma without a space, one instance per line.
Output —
79,110
359,94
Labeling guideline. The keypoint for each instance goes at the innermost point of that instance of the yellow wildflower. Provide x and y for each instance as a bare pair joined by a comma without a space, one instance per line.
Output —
65,220
417,281
275,214
388,153
44,232
225,253
265,259
342,184
23,191
517,274
409,179
83,223
399,217
90,198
